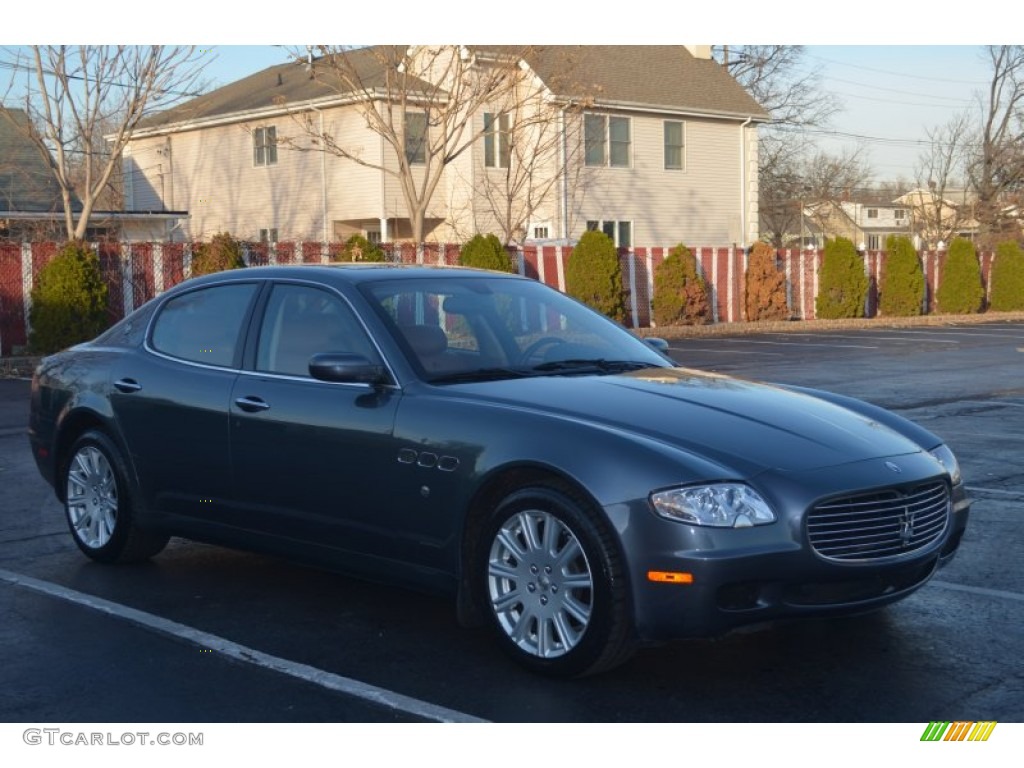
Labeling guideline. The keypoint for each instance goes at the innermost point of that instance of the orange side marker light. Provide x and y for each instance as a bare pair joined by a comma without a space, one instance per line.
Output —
670,577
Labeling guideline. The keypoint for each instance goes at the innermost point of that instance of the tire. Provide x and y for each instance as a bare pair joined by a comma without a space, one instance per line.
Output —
98,504
552,585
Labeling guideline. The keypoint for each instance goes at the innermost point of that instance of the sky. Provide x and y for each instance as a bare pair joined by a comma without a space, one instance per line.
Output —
898,69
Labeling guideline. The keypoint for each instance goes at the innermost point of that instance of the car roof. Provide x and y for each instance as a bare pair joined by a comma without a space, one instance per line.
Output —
347,273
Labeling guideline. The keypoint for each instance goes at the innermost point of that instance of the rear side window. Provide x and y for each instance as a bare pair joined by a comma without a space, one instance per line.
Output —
204,326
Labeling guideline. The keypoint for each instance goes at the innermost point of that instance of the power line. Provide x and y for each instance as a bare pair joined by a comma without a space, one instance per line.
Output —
978,83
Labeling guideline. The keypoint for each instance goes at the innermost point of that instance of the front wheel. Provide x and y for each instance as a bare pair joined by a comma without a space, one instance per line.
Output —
554,585
97,503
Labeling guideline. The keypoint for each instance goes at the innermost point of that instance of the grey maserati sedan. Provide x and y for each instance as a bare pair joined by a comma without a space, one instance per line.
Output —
485,436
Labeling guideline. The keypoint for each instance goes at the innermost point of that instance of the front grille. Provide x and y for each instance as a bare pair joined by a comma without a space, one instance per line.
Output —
879,525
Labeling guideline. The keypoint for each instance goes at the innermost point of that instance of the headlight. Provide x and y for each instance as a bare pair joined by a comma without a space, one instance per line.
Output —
722,505
946,458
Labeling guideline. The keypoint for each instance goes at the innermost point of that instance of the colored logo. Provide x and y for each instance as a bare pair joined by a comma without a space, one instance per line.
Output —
958,731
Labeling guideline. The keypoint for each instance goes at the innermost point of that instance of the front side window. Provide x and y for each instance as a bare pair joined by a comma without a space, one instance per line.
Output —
416,137
872,213
264,146
301,321
607,141
673,145
497,146
203,326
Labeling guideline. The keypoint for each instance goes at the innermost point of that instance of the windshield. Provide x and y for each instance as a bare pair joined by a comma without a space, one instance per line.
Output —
472,327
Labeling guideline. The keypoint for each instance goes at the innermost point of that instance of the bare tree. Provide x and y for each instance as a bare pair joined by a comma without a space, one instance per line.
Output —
422,101
940,173
997,169
83,104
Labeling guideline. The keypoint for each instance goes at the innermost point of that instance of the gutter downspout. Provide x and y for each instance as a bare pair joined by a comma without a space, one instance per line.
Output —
743,181
323,177
565,176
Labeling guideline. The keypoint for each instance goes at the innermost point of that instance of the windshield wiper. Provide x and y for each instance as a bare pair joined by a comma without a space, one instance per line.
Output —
599,365
479,374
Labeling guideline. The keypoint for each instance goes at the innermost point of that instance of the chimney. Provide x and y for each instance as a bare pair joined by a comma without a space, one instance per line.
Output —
699,51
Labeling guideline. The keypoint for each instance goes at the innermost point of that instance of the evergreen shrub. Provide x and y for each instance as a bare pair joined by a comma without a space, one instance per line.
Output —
485,252
766,286
70,302
960,289
680,293
902,289
593,275
842,284
1008,278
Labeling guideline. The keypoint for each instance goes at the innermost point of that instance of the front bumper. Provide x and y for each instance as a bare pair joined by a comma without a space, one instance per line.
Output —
746,576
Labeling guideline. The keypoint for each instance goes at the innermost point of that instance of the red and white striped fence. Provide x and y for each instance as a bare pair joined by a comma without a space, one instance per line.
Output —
136,272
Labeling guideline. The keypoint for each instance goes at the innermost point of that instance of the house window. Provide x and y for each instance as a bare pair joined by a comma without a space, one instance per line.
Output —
541,233
416,137
872,213
900,214
497,147
673,145
268,235
874,242
373,236
264,146
620,232
606,140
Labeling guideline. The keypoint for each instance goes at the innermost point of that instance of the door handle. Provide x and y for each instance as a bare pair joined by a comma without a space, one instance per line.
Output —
127,385
252,404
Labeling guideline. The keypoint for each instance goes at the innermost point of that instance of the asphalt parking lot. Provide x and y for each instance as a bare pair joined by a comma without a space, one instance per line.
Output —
204,634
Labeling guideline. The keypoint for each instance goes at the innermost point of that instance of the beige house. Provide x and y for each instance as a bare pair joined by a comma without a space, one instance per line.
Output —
939,218
653,144
866,224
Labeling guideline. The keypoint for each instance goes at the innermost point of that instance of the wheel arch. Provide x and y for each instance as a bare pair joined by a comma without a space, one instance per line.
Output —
74,424
498,484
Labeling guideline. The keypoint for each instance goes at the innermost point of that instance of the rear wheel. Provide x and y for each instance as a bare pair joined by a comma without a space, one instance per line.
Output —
553,585
97,503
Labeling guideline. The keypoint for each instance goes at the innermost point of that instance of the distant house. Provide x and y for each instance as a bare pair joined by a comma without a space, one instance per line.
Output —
938,218
29,196
867,224
31,206
667,140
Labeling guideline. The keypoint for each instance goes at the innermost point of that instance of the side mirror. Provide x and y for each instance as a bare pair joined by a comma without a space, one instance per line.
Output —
659,344
346,369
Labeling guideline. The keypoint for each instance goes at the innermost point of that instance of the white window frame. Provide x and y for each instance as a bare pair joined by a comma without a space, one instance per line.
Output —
613,228
872,213
264,146
605,141
268,235
497,140
681,145
419,157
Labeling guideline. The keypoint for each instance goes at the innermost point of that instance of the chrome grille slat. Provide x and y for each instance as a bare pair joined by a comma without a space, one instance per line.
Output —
879,524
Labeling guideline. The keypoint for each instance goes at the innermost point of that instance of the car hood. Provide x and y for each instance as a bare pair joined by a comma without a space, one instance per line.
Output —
745,426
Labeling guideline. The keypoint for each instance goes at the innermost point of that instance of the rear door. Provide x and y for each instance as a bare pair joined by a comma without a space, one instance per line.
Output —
170,400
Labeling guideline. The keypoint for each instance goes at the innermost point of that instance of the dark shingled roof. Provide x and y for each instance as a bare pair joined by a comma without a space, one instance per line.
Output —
666,76
26,181
655,76
281,84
